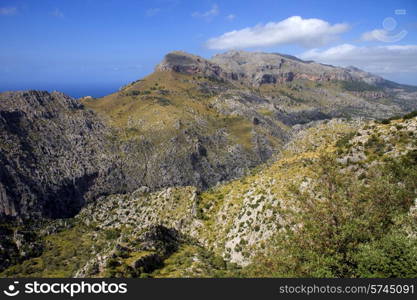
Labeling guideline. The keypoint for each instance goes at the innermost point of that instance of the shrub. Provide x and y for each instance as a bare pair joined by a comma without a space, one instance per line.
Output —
163,101
111,234
394,255
343,142
358,86
410,115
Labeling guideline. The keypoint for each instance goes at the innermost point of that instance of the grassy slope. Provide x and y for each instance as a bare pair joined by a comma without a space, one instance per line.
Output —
162,104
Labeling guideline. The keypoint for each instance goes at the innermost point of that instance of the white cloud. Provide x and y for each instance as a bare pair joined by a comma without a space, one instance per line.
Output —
57,13
370,36
8,11
152,12
231,17
207,15
382,35
294,30
377,59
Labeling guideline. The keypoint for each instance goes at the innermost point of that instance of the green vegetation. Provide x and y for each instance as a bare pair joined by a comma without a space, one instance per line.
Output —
410,115
64,253
343,142
404,117
358,86
351,227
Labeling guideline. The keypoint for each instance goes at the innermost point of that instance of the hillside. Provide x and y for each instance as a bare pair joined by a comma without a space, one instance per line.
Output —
340,197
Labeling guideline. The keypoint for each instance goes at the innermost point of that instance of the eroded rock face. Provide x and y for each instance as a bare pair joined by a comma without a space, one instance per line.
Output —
186,63
257,68
51,155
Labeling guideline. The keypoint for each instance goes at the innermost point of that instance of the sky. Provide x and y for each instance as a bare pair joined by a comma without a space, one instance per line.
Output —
91,47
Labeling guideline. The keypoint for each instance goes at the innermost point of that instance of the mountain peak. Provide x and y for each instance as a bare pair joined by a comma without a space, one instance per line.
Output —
186,63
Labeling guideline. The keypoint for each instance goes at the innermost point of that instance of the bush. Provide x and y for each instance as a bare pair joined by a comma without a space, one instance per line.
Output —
410,115
111,234
163,101
132,93
343,142
394,255
359,86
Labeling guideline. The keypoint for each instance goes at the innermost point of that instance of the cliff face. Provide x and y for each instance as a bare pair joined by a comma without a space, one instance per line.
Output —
52,158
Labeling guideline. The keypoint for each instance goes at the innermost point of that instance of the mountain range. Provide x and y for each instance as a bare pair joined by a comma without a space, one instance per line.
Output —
204,159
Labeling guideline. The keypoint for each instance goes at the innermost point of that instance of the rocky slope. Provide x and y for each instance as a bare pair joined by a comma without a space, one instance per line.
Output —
53,155
219,231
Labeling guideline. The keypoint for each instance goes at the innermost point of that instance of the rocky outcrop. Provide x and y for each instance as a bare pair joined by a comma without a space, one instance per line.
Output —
270,68
142,255
186,63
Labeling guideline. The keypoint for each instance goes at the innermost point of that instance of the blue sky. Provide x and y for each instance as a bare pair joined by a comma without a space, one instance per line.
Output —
90,47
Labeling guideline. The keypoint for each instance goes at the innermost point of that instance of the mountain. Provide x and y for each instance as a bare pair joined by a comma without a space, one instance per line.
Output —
160,168
199,122
192,122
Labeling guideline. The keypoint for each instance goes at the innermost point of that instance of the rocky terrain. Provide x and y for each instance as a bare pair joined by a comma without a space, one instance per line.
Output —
53,155
180,232
188,171
193,122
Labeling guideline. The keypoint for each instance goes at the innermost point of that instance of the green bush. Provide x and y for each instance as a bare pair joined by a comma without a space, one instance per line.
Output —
394,255
359,86
343,142
410,115
111,234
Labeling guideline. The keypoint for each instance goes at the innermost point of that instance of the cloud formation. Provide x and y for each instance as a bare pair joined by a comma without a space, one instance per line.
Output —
377,59
382,35
207,15
231,17
8,11
295,30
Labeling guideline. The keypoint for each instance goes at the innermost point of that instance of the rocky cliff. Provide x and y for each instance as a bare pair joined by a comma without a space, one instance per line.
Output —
53,155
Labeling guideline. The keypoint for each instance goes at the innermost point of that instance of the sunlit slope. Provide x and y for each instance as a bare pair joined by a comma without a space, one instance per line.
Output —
172,119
